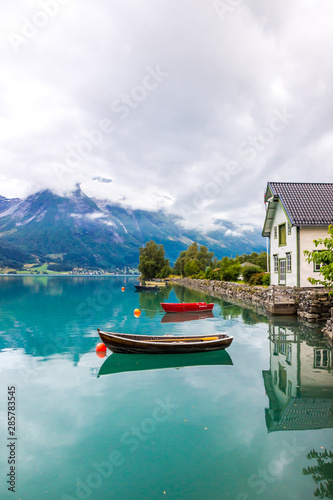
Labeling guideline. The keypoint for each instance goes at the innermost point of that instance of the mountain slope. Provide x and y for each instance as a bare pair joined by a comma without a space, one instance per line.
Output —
80,231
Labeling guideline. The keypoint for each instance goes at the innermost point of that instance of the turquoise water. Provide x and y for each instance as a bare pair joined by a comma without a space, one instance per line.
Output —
236,424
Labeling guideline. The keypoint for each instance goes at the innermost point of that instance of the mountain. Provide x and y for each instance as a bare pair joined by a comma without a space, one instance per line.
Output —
78,231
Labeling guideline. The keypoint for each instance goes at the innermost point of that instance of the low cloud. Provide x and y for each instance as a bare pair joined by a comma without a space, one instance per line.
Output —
169,106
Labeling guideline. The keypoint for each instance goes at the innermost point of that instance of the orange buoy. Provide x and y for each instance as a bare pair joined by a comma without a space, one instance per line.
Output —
137,313
101,347
123,289
101,354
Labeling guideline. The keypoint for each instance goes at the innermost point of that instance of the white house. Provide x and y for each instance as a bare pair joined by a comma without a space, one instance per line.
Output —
296,214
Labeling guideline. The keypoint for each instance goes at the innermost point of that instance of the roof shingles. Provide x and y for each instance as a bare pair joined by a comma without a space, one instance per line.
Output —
308,204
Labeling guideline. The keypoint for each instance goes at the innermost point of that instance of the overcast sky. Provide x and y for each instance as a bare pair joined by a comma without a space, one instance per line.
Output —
187,105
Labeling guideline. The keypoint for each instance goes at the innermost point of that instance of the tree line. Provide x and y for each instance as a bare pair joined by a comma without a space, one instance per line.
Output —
198,262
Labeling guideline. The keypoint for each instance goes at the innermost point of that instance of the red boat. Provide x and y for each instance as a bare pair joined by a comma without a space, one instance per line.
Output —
186,307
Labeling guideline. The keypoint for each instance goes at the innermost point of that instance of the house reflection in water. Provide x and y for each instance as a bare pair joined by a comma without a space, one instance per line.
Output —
299,384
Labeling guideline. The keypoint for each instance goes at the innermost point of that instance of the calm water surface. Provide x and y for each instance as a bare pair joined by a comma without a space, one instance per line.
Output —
242,424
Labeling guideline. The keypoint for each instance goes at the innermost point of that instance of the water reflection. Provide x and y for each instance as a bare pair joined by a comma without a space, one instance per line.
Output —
150,303
321,472
300,380
186,316
117,363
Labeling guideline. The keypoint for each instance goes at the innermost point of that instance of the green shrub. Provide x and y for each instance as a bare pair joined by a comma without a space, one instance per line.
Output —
231,273
259,279
266,279
248,271
200,276
256,279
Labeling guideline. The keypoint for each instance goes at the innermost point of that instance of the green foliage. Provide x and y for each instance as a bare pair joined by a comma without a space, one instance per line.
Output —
165,271
193,260
231,272
248,271
258,259
152,260
324,258
191,267
200,262
259,279
322,473
266,279
60,267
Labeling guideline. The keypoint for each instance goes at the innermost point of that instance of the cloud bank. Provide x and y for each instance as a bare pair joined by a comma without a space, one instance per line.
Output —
190,107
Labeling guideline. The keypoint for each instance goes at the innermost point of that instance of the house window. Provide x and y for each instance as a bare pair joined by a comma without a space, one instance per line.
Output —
282,378
316,267
275,232
321,358
288,356
282,235
276,263
289,228
282,340
288,256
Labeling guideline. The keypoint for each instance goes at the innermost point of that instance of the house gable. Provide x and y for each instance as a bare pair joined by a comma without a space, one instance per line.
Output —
283,247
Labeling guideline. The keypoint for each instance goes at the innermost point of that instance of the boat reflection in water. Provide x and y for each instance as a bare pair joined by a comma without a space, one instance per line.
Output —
299,384
186,316
119,363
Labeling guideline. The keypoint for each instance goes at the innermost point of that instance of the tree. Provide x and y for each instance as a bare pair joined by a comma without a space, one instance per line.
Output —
204,257
152,260
323,257
199,255
191,267
322,473
179,267
165,271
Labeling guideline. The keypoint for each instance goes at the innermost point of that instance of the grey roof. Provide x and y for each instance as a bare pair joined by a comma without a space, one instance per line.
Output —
306,203
303,414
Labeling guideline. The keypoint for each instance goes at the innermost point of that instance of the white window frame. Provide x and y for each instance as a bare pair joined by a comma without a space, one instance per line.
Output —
276,263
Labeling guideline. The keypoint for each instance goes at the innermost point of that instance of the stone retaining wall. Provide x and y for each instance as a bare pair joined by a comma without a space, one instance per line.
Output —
310,304
328,328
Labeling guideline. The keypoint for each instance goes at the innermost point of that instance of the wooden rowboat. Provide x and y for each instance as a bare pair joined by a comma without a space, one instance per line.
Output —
186,307
167,344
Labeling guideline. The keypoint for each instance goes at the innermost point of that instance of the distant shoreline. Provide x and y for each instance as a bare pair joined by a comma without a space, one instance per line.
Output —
71,275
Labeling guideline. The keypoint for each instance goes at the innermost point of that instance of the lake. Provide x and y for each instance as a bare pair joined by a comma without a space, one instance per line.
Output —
245,423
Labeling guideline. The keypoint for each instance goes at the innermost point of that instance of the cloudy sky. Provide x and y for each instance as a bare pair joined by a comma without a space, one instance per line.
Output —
186,105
